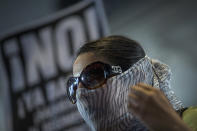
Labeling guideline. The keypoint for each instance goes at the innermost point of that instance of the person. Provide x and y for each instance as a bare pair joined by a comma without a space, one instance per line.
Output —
118,88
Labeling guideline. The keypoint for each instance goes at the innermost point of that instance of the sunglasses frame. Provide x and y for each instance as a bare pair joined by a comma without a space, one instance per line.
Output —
108,70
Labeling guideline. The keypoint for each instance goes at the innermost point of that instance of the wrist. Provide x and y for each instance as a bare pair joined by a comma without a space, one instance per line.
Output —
179,125
171,122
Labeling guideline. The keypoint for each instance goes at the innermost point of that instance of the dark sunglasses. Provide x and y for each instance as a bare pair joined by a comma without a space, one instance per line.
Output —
92,77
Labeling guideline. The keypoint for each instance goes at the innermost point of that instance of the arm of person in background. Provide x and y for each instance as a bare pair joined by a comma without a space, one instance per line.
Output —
152,107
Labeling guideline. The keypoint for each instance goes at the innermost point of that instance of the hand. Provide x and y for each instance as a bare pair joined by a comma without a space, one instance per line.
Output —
152,107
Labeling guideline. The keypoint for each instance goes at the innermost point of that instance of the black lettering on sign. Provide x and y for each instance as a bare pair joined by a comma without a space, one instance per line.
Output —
36,61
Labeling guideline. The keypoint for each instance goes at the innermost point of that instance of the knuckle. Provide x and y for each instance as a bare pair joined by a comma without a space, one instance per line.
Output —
151,96
157,90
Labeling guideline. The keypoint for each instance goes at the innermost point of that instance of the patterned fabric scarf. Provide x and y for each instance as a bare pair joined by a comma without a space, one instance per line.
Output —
105,108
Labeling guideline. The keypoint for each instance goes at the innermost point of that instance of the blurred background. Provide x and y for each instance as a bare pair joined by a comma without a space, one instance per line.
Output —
165,28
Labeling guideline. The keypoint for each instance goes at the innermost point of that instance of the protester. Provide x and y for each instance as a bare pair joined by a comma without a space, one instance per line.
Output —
107,87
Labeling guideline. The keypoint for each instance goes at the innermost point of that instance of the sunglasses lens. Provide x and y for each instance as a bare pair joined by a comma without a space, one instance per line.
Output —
93,76
72,84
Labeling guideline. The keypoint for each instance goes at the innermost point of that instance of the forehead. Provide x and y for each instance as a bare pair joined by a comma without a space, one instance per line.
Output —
83,60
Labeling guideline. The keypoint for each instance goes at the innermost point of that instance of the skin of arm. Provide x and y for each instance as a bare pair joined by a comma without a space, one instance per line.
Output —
151,106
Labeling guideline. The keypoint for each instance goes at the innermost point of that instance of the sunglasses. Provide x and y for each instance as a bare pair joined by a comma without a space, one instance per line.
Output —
93,76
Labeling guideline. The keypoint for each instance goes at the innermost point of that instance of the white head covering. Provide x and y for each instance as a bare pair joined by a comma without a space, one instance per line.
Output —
105,108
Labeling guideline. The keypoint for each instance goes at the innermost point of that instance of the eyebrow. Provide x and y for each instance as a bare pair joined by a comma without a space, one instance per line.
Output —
78,74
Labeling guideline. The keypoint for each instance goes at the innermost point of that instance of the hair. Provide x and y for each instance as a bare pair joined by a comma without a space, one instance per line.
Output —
118,50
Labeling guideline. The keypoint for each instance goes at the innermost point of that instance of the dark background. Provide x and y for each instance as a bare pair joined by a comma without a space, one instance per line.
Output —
166,29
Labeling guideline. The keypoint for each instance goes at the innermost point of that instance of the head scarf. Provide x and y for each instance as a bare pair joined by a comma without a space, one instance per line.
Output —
105,108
